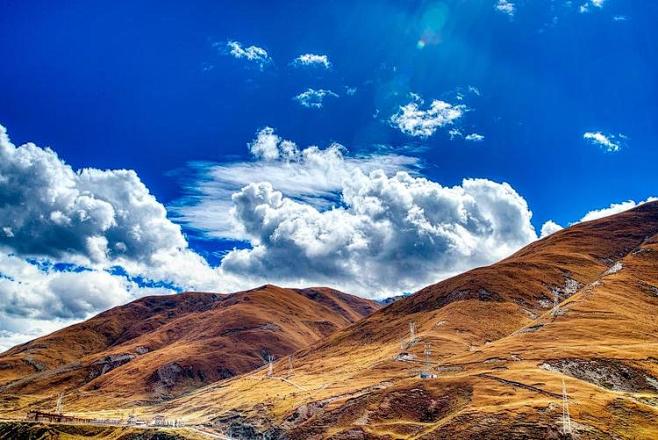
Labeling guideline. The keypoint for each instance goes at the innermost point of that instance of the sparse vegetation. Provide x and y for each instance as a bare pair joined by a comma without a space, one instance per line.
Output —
495,381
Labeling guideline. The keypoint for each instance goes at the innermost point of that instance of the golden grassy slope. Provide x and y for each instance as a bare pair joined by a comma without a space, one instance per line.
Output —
37,431
158,347
500,351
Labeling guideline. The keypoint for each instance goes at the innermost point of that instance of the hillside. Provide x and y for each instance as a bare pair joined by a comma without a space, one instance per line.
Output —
578,307
158,347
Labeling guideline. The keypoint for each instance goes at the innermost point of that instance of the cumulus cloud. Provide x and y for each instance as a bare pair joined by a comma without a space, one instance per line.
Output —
608,142
254,54
393,233
31,291
311,59
90,216
36,297
506,7
366,224
94,218
312,98
548,228
412,120
311,175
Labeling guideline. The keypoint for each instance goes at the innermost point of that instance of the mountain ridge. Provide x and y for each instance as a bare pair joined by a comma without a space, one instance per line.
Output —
160,346
577,306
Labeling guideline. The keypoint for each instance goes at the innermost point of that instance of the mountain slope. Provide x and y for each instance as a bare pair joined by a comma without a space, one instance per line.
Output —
159,347
499,345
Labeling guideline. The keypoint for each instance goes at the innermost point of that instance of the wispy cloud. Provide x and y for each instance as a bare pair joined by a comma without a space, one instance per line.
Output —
506,7
609,142
585,7
413,120
312,98
474,137
254,54
311,59
312,175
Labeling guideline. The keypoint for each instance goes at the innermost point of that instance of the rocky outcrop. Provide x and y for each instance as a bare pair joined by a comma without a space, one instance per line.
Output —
607,373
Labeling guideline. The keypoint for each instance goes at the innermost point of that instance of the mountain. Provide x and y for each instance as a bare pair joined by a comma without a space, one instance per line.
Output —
159,347
566,325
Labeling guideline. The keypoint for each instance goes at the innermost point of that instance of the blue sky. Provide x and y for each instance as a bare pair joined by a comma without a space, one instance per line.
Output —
556,98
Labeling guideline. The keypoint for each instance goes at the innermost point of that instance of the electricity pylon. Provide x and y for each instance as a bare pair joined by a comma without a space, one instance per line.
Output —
566,417
58,408
412,332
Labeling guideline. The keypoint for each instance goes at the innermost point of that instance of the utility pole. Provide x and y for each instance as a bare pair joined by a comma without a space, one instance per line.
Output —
412,332
566,417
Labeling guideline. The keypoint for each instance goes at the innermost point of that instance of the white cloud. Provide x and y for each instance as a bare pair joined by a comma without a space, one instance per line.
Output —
609,142
25,329
414,121
506,7
394,233
364,224
455,132
254,54
312,98
548,228
90,217
585,7
614,208
474,137
36,298
311,59
311,175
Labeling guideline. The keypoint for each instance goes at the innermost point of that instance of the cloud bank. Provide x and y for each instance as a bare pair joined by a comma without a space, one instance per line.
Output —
393,234
365,224
91,219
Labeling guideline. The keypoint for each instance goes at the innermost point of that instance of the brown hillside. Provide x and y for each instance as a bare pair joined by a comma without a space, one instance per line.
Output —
158,347
500,348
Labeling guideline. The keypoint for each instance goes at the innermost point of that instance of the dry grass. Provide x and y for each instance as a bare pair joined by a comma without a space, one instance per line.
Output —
160,347
493,335
500,351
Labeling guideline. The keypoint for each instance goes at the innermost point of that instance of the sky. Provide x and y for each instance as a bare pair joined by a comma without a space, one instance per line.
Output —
376,147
